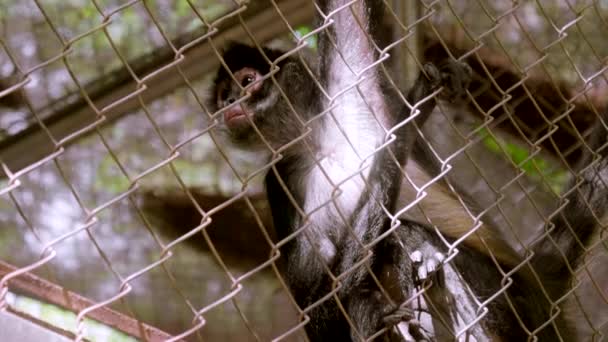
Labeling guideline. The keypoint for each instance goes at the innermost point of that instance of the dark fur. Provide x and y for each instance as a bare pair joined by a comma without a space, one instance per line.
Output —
560,253
306,274
554,257
363,302
294,80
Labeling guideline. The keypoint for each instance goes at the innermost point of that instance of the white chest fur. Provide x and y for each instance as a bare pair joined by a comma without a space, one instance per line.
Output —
336,181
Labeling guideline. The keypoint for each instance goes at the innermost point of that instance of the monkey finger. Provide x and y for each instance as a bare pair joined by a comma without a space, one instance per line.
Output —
433,74
423,272
416,257
431,265
455,78
440,257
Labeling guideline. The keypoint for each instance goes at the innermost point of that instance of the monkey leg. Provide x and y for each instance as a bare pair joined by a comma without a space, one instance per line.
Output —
427,267
405,319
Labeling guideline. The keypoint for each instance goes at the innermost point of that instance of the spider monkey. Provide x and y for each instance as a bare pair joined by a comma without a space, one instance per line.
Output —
329,198
326,172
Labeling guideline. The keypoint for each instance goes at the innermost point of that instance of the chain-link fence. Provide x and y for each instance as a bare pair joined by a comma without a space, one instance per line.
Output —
153,226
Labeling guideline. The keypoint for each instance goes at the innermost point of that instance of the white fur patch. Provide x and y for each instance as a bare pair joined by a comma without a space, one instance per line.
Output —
334,186
349,134
265,104
456,303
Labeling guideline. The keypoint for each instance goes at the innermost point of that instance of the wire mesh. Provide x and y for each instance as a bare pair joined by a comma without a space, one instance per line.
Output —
154,215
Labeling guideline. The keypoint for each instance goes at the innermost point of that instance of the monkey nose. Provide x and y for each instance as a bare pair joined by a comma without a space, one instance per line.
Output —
231,100
235,116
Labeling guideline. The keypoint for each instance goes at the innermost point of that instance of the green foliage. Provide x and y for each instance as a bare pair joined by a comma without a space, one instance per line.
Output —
182,8
56,316
192,173
536,167
109,178
8,240
312,40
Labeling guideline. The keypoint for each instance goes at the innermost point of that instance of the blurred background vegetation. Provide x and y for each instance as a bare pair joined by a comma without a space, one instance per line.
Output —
514,36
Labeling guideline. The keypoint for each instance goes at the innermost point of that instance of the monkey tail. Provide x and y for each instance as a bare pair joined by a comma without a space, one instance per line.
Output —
584,208
572,232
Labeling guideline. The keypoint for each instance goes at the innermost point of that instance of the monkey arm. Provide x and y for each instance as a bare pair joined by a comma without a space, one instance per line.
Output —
383,187
441,209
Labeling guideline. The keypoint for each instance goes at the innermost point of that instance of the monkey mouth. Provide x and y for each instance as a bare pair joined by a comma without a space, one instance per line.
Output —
236,117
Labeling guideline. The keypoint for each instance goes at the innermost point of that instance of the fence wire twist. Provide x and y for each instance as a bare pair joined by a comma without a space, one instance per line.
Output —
516,49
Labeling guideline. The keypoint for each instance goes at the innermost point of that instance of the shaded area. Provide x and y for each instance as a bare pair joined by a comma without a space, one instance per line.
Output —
163,69
192,280
234,231
36,287
530,108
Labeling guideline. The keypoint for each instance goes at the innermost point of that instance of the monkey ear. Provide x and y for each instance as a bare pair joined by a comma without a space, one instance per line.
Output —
230,45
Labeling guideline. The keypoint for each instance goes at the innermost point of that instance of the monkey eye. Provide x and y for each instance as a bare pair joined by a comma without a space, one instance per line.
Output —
224,94
247,80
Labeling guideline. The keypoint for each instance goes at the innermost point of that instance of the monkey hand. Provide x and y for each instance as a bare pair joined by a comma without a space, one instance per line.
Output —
453,76
405,318
426,267
405,325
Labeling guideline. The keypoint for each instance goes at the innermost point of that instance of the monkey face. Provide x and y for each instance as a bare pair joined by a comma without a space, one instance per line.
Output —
257,107
240,110
249,104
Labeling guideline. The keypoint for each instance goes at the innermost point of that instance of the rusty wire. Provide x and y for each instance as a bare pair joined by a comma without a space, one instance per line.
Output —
479,38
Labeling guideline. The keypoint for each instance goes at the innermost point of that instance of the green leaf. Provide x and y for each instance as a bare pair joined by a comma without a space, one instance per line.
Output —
536,167
311,41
